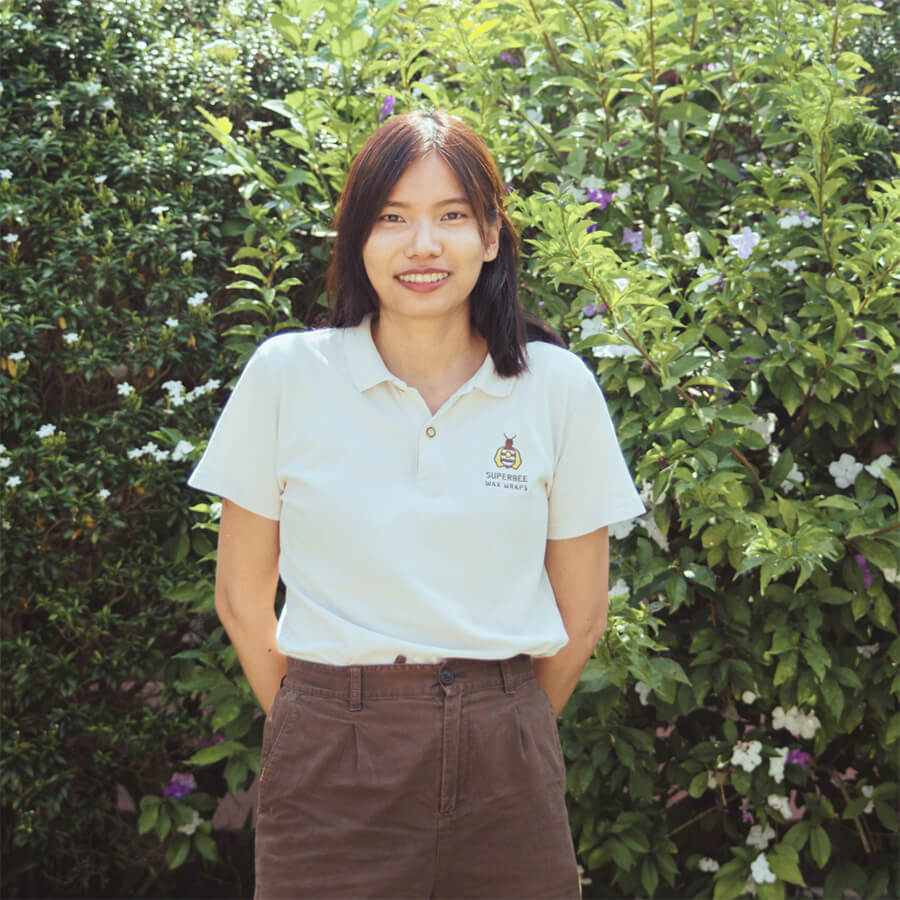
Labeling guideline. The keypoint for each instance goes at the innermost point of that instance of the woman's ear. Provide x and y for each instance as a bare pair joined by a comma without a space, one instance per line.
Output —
491,242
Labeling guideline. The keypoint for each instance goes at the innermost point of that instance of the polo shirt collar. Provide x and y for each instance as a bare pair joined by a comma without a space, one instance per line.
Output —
367,368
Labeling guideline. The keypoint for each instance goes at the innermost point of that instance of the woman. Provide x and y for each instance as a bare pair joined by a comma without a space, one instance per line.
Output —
433,490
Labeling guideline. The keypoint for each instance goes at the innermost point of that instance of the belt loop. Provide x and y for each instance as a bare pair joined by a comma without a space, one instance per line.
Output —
506,674
355,688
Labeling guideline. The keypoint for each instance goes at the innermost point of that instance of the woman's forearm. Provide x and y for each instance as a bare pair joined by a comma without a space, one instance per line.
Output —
257,651
558,675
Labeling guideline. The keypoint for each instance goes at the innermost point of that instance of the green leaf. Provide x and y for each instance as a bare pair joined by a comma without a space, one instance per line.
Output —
209,755
783,862
786,669
699,783
820,846
818,658
147,819
177,851
731,885
205,846
649,876
834,696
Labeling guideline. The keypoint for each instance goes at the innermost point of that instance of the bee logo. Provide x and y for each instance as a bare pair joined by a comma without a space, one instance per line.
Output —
507,456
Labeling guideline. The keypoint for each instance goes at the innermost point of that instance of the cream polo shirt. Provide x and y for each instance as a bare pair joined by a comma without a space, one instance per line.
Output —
404,532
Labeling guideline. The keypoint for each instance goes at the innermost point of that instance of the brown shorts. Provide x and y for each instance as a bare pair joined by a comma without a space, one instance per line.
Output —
413,781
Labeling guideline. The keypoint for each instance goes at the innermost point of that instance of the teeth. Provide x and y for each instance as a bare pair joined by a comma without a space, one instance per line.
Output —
424,279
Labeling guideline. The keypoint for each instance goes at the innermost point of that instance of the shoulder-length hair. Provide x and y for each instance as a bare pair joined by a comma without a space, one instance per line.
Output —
494,307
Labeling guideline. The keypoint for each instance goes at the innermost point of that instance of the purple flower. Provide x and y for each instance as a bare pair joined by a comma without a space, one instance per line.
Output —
751,359
864,565
799,758
509,58
593,309
591,228
746,815
181,785
387,107
634,238
600,197
708,67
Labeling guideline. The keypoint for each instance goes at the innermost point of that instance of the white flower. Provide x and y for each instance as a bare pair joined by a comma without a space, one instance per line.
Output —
201,389
867,651
103,493
845,470
141,45
760,871
13,481
654,532
70,337
5,462
53,102
794,477
197,299
172,322
895,368
124,389
692,242
759,838
611,351
591,183
747,755
623,191
188,255
789,265
621,284
182,449
744,242
764,427
710,276
621,530
6,174
100,179
867,791
10,238
17,356
708,864
159,209
108,103
643,691
878,468
890,575
780,804
776,764
619,589
45,431
28,26
748,697
93,88
810,726
790,220
135,452
535,115
2,449
191,827
86,220
255,125
215,510
592,326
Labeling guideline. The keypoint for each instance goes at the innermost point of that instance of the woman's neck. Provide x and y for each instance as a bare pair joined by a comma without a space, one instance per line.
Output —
434,356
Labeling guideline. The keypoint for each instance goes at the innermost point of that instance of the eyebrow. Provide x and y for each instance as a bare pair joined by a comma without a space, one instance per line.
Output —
452,201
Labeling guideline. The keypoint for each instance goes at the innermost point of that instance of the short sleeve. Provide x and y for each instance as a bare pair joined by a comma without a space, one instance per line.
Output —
591,486
240,461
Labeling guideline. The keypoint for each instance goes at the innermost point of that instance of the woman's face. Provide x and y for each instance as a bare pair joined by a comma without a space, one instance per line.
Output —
425,251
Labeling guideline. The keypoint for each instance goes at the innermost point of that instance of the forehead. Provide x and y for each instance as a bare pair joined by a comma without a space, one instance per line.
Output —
428,181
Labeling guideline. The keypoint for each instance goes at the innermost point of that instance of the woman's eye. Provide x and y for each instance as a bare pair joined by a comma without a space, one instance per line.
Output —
454,215
390,217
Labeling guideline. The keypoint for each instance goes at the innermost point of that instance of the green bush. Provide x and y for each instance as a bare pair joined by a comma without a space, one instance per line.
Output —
708,196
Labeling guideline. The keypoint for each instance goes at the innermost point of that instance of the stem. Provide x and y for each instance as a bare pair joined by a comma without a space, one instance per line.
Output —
839,784
551,48
654,97
693,820
834,30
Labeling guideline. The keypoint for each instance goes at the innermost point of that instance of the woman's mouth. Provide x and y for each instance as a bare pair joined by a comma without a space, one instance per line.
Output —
422,282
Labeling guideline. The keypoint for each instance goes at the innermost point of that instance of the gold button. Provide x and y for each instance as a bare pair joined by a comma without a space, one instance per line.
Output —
430,431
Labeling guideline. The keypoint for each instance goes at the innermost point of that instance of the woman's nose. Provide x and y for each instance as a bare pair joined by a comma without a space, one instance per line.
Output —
424,241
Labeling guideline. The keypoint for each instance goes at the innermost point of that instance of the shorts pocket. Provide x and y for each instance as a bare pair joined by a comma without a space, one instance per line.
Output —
280,713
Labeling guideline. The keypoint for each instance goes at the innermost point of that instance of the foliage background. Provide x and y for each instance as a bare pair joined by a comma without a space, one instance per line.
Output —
708,196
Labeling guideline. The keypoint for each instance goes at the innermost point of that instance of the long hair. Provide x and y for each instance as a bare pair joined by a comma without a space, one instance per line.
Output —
494,307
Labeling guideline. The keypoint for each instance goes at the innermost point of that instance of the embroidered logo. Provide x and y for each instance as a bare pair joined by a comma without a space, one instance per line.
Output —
507,456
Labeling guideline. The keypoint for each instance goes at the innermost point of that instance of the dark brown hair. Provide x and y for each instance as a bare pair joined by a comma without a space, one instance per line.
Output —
494,307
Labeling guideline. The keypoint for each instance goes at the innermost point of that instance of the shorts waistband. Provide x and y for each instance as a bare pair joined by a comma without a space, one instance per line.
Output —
408,679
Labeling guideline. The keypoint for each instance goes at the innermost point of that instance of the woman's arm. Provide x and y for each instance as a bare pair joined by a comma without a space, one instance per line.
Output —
578,569
246,581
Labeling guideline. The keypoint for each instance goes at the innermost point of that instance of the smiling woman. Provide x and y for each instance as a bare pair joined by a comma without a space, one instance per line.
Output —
433,489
